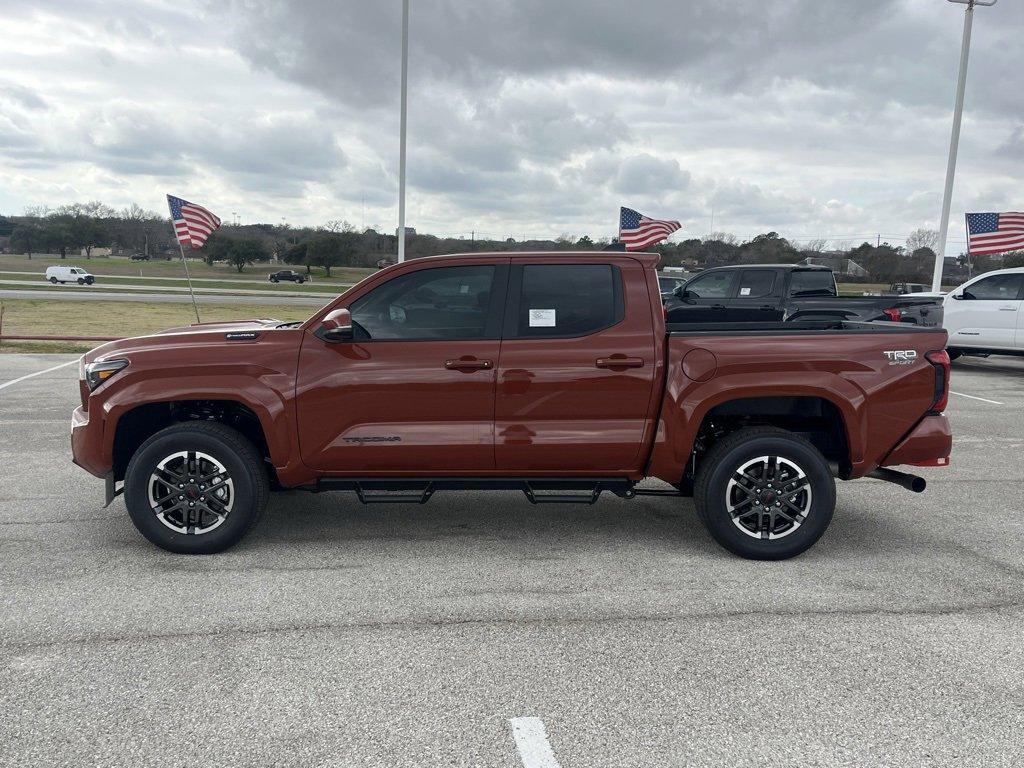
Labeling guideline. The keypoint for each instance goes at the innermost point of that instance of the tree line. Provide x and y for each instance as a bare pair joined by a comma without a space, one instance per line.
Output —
81,227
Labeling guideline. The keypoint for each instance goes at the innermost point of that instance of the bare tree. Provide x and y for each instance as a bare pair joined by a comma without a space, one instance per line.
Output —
816,245
337,225
922,238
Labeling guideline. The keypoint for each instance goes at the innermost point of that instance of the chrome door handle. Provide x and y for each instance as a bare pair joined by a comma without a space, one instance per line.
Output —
468,365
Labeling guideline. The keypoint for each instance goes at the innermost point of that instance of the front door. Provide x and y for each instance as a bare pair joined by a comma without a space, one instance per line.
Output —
414,391
985,314
577,368
704,298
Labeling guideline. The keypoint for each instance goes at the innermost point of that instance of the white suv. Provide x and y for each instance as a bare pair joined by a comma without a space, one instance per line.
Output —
985,314
69,275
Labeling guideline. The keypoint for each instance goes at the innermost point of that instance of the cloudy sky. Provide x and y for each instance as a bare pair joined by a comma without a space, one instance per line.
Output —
816,118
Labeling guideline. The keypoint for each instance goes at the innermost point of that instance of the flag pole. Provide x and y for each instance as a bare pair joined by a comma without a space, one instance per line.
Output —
967,229
401,139
188,278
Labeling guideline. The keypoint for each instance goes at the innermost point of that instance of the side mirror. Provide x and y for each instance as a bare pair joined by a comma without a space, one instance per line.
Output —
958,296
336,326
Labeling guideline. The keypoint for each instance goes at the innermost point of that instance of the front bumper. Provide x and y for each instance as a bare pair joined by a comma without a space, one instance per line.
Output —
87,443
928,444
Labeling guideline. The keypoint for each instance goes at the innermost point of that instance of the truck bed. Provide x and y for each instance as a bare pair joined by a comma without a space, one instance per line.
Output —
793,328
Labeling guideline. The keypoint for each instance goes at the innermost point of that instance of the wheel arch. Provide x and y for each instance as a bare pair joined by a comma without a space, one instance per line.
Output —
684,422
137,424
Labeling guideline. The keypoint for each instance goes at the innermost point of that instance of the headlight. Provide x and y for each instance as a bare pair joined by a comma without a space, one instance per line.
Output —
98,372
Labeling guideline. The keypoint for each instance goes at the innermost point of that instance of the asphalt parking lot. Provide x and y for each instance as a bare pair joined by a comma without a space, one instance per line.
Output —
342,635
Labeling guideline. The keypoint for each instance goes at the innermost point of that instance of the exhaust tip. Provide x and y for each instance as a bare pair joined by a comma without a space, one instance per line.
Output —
917,484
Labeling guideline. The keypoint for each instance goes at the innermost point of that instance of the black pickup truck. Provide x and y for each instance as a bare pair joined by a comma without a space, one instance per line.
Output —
751,293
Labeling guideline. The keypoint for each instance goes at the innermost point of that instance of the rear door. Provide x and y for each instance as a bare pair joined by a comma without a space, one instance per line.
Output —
577,368
758,297
987,313
414,391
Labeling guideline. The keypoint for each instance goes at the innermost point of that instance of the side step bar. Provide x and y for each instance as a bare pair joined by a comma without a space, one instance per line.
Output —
539,490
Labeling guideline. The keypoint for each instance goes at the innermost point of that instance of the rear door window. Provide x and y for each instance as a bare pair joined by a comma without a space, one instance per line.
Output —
756,283
565,300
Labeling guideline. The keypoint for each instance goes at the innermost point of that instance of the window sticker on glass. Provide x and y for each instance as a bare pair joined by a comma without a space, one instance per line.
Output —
396,313
542,318
744,291
464,288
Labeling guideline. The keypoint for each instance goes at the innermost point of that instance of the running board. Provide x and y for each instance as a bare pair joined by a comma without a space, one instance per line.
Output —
541,490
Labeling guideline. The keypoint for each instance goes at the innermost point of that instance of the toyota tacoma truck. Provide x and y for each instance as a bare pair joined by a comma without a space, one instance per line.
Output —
764,292
550,373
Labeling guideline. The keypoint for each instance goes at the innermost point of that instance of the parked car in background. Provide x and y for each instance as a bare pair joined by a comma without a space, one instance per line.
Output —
984,316
140,257
288,275
69,275
905,288
751,293
386,262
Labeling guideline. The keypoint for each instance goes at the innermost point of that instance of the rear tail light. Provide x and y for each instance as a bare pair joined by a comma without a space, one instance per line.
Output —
892,313
940,361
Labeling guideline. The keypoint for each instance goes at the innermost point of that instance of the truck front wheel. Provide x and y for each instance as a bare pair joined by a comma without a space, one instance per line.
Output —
196,488
765,493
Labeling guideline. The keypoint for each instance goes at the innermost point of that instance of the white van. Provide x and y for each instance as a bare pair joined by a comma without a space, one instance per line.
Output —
985,315
69,275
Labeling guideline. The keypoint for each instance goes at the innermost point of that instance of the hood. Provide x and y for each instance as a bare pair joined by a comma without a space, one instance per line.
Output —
186,335
262,323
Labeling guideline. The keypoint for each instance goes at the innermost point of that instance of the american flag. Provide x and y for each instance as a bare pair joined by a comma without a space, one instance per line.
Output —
994,232
192,223
637,232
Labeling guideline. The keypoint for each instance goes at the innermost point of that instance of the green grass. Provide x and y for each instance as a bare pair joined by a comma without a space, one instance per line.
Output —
42,317
199,289
44,347
122,265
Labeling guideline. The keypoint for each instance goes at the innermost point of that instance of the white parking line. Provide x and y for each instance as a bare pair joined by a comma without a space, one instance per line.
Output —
532,742
972,397
38,373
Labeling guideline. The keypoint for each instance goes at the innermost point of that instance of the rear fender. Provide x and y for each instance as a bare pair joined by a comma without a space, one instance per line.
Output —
687,403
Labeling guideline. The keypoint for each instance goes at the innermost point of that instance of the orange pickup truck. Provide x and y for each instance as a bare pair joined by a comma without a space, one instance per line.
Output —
550,373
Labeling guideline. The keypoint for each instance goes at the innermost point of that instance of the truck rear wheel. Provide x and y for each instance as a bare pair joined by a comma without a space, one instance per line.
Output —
196,488
765,493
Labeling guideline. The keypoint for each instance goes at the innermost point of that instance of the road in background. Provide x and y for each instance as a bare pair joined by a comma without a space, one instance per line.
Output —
237,297
338,634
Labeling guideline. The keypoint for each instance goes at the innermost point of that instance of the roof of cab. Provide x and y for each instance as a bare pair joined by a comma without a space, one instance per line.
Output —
647,259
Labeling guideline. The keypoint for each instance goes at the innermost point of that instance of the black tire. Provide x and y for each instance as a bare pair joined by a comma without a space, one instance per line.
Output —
81,281
715,488
53,280
273,279
242,463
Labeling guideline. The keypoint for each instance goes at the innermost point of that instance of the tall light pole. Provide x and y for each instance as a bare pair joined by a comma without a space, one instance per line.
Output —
954,142
401,140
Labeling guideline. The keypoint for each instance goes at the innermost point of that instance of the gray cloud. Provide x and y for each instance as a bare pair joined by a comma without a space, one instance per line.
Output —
823,116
